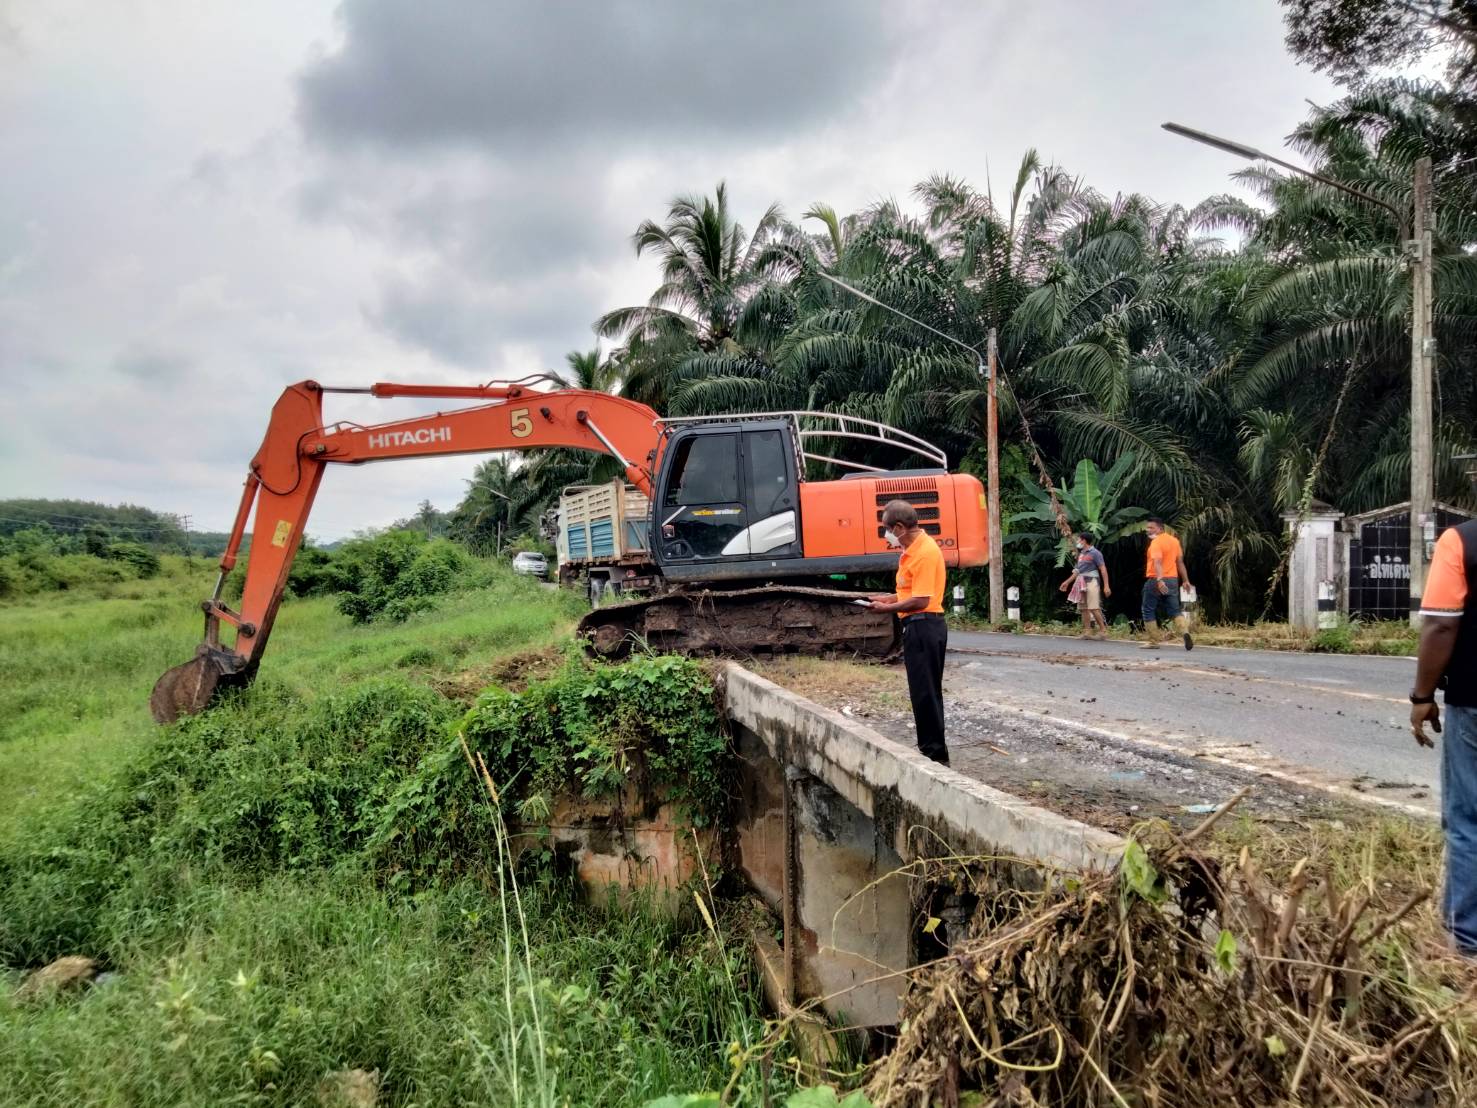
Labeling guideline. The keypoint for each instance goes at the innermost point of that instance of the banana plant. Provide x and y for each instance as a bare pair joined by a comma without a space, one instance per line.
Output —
1091,502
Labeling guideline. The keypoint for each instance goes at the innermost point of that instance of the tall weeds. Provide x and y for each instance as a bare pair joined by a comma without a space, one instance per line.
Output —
264,886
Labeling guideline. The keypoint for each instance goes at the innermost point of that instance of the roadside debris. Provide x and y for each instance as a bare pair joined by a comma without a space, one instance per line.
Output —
1175,981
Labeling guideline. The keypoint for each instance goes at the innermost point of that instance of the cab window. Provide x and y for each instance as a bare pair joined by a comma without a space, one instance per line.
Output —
705,471
769,472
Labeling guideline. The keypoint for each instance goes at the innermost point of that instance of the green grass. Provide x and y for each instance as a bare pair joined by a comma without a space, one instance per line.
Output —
234,874
76,672
252,995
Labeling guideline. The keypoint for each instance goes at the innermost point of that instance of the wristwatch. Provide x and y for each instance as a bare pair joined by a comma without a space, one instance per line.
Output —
1414,699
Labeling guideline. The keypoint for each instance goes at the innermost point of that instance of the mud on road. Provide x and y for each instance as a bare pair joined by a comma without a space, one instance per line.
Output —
1105,781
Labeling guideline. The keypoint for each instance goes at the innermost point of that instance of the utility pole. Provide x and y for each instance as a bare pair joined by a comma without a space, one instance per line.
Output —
1422,339
1422,367
992,485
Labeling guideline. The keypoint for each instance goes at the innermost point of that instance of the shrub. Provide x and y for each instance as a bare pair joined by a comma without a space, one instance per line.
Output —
1338,639
590,730
526,543
314,573
145,562
371,775
390,576
593,728
396,574
60,572
257,785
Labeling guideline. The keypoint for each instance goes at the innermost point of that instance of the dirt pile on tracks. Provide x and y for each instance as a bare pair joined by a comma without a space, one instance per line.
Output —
1176,981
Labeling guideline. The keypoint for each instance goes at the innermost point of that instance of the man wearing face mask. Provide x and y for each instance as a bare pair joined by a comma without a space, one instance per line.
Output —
919,601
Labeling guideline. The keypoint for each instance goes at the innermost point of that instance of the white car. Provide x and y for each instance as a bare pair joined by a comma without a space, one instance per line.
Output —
532,563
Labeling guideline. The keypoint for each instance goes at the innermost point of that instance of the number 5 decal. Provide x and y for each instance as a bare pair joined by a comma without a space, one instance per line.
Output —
522,425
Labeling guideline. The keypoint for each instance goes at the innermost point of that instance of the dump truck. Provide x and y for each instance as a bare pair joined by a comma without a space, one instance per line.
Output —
604,541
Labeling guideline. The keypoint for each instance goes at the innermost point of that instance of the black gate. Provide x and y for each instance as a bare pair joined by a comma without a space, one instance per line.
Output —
1379,565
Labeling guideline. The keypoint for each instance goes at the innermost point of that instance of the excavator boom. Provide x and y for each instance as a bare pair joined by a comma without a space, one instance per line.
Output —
285,473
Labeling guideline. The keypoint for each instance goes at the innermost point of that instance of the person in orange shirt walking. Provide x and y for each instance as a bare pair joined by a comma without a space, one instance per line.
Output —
919,601
1164,573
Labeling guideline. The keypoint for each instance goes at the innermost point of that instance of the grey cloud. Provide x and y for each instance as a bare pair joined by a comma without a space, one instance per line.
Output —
486,218
454,328
142,362
467,322
210,172
531,75
489,140
10,37
515,223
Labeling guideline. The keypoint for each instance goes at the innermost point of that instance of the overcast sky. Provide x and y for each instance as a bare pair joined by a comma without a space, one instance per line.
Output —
201,202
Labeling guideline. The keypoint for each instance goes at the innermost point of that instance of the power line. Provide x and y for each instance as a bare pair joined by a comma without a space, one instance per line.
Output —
898,311
76,528
100,519
1036,459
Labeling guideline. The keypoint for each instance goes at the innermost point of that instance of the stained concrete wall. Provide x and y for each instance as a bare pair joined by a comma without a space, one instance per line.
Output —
829,812
629,843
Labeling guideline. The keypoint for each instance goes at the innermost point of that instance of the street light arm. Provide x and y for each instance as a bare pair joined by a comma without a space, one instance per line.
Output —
1251,152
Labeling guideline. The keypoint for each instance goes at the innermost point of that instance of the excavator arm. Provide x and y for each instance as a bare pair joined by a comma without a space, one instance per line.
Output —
285,473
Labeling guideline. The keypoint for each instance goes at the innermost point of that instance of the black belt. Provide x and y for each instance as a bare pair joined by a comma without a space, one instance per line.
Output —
922,615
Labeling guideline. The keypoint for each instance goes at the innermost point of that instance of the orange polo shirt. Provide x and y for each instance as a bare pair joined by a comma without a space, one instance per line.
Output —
1446,581
1167,549
920,572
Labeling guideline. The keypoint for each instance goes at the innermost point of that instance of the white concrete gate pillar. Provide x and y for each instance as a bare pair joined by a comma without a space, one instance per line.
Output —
1317,573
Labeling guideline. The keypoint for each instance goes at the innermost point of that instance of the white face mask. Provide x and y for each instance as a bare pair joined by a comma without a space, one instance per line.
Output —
892,540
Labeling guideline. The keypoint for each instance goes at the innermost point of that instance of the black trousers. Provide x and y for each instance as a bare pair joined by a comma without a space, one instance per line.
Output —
925,639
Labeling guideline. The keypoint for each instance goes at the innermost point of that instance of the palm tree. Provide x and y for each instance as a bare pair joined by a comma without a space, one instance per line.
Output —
1334,317
708,268
1240,379
588,370
499,505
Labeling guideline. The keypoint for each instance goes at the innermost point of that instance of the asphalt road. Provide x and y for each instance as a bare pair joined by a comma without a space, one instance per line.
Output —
1332,721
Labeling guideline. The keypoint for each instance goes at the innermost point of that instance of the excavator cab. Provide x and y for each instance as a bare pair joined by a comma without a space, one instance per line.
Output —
727,493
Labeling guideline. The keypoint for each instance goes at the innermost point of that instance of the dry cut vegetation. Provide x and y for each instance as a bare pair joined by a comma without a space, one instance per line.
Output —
1181,980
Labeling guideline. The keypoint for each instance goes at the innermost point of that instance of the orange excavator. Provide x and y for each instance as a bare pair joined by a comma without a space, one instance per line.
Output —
744,547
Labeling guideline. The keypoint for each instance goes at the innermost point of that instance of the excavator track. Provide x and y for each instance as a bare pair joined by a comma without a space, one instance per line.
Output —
775,619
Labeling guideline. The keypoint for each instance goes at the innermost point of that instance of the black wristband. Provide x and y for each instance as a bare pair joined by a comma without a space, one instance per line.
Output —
1414,699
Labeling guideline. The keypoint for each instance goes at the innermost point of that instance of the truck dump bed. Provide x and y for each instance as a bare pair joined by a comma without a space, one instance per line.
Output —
602,525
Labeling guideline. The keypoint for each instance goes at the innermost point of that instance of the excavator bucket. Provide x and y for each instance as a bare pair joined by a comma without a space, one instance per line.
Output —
190,688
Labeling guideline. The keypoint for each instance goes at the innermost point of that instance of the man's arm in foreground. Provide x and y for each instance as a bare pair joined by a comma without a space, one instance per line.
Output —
1438,640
